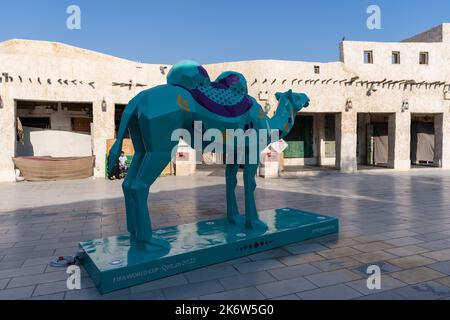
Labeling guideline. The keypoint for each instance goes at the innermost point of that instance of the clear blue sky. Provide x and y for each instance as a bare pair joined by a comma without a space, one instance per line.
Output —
165,31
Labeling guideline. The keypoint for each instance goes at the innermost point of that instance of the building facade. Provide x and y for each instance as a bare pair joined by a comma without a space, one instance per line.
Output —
382,104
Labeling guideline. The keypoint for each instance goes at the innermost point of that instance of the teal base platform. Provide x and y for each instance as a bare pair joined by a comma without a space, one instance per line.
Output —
118,262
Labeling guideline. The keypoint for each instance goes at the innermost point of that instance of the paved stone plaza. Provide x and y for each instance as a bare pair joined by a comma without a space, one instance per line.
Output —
399,221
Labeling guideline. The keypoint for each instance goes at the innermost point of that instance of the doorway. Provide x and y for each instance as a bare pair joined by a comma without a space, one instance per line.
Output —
373,140
423,140
301,138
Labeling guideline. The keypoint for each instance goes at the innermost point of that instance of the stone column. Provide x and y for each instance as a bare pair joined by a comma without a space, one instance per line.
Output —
7,138
103,128
319,138
399,141
346,135
442,140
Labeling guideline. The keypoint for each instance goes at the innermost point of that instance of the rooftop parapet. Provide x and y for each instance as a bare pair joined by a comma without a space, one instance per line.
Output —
440,33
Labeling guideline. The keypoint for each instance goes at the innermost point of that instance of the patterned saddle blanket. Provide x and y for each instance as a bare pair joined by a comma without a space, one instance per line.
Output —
227,96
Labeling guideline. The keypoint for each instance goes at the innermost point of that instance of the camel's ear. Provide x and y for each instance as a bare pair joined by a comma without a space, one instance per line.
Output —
289,94
278,95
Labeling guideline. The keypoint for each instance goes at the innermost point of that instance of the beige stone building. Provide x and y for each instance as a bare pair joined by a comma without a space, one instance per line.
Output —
382,105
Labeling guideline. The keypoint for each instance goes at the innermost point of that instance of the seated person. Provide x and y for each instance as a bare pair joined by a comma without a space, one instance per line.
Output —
123,167
120,169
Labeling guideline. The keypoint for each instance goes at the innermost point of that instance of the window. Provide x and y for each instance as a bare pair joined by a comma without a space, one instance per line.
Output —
395,57
316,69
368,57
36,122
82,125
423,58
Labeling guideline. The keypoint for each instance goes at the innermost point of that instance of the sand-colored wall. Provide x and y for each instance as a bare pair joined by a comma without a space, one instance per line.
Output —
37,60
329,91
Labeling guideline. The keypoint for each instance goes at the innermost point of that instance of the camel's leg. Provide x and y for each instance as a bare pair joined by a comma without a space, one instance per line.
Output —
152,166
251,214
231,182
131,209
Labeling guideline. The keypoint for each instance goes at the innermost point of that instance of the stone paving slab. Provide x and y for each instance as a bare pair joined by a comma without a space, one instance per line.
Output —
372,257
258,265
210,273
249,293
393,220
147,295
339,252
425,291
4,283
443,267
337,292
19,272
300,259
305,248
285,287
48,297
37,279
440,255
385,295
293,271
435,245
270,254
406,241
335,264
193,290
288,297
417,275
406,250
246,280
411,261
332,277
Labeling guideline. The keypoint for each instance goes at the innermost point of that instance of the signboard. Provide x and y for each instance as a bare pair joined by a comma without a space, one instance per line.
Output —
279,146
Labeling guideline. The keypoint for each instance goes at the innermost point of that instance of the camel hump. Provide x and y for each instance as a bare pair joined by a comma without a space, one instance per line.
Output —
188,74
227,96
234,81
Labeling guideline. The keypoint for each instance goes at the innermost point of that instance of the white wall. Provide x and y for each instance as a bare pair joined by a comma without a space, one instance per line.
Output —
55,143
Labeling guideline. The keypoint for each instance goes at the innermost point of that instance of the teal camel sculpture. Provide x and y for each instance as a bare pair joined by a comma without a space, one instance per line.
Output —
152,116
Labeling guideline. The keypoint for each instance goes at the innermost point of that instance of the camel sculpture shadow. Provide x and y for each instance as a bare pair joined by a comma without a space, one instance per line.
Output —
190,96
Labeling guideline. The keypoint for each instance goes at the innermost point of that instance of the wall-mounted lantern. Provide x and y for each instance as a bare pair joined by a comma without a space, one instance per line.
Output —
447,94
104,105
405,105
348,105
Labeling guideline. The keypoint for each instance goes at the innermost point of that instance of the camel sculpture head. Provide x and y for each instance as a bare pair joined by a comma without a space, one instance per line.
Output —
298,100
289,104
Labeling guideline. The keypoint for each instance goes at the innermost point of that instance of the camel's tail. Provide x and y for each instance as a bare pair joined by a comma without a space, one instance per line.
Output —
129,112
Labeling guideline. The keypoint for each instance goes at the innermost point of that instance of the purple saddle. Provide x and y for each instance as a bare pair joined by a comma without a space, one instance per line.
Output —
226,97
